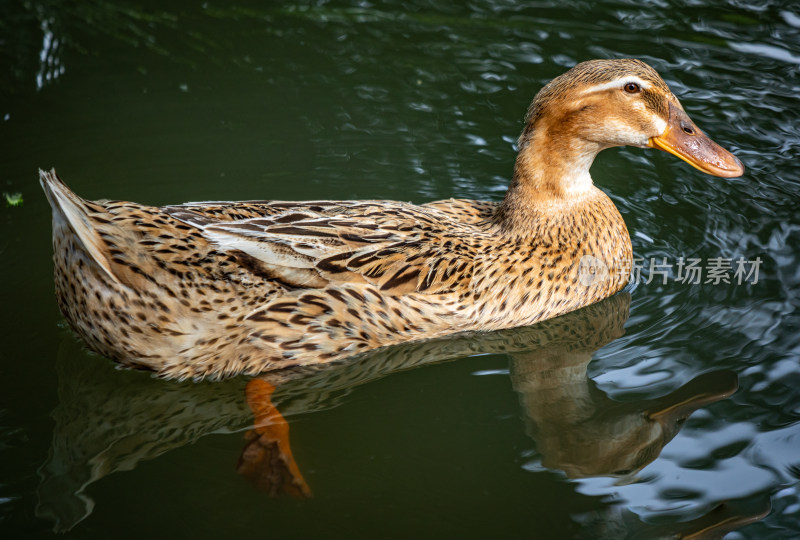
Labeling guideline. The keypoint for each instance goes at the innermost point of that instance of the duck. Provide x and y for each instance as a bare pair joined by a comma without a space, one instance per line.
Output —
218,289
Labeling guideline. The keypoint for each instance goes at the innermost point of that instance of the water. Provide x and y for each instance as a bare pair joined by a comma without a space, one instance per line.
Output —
524,433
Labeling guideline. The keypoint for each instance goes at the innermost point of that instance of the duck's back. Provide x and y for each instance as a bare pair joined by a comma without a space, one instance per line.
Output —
217,289
222,288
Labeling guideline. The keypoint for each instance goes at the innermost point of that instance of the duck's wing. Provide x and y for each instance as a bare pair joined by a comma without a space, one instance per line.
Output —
214,211
397,247
463,210
466,210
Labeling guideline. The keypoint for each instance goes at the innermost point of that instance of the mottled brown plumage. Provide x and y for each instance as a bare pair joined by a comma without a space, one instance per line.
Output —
217,289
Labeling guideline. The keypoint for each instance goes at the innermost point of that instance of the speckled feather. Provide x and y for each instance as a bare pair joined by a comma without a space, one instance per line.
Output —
221,288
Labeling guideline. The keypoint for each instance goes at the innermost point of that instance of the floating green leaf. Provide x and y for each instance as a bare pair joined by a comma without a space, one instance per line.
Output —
13,199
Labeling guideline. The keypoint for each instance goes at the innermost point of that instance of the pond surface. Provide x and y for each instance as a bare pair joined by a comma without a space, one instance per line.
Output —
673,408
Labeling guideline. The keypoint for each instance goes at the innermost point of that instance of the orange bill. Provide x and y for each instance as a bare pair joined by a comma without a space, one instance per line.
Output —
684,139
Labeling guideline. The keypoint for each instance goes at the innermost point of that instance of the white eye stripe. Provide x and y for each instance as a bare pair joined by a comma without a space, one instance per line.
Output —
618,83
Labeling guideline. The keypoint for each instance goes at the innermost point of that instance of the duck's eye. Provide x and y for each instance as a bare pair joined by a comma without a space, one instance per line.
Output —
632,88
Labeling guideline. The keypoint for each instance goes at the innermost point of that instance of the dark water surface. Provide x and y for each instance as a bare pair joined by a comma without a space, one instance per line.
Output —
519,435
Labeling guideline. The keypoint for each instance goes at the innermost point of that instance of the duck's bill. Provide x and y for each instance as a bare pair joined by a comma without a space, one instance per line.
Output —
684,139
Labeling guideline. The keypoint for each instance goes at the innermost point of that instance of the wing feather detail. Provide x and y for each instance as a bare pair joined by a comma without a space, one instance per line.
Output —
396,247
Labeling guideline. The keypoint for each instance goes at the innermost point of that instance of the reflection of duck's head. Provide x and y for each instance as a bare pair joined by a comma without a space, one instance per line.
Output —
622,438
578,429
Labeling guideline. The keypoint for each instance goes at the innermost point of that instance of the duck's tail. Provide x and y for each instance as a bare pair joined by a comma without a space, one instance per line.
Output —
71,211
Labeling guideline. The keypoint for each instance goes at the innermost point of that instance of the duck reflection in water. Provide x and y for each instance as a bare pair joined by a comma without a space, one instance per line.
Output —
576,427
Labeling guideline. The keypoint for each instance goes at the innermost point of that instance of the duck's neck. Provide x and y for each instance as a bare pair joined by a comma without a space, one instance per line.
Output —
551,173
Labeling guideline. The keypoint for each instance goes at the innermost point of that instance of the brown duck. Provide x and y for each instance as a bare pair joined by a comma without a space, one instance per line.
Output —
221,288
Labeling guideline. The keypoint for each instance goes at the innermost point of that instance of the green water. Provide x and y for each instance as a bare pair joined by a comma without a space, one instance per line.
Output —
418,100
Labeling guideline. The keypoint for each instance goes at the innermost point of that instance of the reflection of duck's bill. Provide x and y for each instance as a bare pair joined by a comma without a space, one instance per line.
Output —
682,138
725,518
702,390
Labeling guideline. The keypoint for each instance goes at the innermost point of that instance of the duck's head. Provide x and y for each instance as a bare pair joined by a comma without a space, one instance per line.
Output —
603,103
